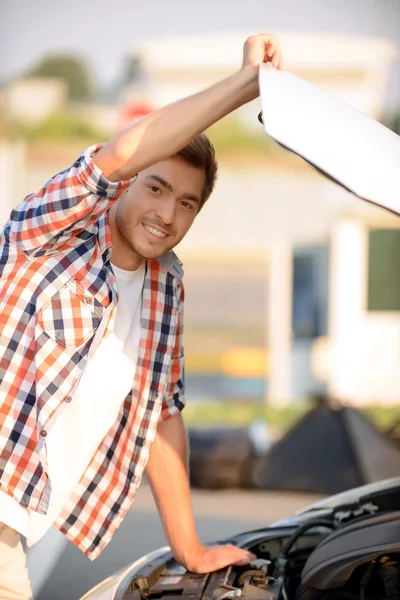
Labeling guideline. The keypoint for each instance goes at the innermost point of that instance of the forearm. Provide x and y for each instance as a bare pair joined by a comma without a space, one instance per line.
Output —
166,131
167,472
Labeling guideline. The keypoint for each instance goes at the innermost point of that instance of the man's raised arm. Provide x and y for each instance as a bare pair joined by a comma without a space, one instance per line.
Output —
164,132
66,209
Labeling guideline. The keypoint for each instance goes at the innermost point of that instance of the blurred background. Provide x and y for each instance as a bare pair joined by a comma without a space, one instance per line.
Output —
292,285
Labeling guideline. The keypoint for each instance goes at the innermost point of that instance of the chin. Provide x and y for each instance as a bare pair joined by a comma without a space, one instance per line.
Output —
151,253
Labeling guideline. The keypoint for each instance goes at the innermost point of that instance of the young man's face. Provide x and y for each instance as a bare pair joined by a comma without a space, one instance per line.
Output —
156,211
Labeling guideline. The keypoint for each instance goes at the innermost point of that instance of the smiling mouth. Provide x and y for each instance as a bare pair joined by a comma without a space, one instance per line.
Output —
156,232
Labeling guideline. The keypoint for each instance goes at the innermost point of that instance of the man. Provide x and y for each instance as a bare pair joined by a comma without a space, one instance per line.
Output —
91,305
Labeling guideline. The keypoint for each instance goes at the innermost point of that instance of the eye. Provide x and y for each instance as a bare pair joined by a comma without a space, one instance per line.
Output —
155,189
187,204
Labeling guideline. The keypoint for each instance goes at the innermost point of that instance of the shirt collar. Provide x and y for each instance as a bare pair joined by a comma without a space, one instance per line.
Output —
172,264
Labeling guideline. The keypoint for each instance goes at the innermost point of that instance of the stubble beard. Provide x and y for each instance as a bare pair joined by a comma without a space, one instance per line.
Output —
137,251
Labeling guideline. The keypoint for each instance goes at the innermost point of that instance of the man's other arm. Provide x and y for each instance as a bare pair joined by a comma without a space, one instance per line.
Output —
167,472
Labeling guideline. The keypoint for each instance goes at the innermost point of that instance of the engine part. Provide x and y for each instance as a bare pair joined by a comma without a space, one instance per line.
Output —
300,531
390,574
335,559
231,594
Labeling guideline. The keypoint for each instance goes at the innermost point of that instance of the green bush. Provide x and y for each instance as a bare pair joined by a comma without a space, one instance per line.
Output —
230,137
57,127
211,413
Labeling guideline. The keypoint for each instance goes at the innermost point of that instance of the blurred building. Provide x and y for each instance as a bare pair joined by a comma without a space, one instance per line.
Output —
291,282
354,68
329,264
326,307
31,100
103,117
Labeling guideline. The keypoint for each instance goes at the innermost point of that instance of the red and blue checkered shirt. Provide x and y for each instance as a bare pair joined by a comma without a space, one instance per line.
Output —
56,283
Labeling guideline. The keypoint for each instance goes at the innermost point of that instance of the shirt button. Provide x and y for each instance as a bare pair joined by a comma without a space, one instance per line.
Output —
89,300
68,399
43,433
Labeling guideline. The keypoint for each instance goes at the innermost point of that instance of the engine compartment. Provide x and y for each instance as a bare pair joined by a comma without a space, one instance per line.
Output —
350,555
261,580
275,575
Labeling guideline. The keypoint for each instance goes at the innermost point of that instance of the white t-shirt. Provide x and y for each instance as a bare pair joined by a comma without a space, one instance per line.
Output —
81,427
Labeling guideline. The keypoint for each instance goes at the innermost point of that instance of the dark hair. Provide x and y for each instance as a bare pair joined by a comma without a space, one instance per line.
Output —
200,153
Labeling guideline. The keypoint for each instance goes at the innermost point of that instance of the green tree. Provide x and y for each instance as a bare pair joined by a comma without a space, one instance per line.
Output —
68,67
132,69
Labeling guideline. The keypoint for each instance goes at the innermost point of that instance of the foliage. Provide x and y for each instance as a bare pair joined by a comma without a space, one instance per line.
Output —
57,127
229,136
232,141
132,69
68,67
210,413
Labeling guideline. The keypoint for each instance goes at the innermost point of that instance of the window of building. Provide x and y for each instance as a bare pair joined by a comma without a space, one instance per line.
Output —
384,270
310,292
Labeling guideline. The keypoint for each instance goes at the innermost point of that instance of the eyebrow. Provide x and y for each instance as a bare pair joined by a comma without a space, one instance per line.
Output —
169,187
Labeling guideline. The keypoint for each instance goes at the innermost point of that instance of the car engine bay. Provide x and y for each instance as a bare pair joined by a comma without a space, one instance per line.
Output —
350,553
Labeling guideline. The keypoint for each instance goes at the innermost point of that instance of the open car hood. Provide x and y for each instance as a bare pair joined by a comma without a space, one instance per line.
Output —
388,490
339,141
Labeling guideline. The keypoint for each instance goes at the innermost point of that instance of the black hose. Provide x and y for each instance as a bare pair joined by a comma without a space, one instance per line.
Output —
282,559
287,546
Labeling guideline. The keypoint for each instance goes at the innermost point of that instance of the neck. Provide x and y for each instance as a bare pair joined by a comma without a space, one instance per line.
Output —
122,254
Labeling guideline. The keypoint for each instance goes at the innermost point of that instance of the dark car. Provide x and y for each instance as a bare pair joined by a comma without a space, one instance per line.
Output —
344,547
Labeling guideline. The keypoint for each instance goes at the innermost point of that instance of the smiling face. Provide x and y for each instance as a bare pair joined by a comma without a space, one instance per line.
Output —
156,212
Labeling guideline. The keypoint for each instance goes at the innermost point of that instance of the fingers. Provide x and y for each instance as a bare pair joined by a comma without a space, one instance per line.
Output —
262,48
218,557
244,557
235,556
273,52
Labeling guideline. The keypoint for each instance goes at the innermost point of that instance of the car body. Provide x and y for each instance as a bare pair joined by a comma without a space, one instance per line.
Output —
324,551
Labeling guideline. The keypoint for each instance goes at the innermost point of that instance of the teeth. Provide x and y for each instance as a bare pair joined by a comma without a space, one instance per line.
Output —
155,231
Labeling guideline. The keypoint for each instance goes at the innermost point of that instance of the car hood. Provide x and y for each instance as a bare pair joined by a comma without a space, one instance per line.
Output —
388,488
342,143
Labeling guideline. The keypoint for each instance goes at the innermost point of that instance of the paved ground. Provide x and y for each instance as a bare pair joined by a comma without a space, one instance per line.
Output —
59,571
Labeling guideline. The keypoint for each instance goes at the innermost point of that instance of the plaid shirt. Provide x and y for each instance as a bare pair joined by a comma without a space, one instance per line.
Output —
56,286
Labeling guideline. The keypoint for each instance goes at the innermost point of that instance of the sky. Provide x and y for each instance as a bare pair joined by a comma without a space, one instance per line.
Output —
105,31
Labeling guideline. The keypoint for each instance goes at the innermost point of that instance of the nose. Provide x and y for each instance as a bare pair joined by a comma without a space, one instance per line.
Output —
166,210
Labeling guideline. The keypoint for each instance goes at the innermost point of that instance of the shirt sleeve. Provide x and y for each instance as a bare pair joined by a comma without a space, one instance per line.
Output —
64,212
174,399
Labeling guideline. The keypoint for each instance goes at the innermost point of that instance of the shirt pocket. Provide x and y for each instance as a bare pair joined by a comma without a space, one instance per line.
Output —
71,316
